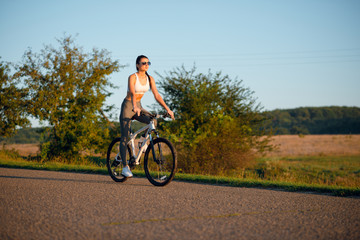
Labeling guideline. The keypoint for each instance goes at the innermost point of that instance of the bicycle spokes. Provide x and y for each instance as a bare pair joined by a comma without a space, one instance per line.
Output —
160,162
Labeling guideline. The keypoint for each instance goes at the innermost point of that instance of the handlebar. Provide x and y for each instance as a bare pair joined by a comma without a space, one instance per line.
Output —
153,116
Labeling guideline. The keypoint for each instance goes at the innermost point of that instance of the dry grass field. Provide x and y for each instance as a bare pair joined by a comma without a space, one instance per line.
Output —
24,149
316,145
287,146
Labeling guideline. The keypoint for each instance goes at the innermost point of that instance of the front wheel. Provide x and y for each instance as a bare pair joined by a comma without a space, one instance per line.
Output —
115,168
160,162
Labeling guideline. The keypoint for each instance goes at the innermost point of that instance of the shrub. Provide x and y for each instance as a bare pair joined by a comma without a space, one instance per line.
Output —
218,126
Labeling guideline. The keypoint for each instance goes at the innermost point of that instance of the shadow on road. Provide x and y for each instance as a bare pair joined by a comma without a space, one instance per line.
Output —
68,180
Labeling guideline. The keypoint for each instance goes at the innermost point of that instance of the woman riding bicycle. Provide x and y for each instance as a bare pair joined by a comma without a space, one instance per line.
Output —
138,84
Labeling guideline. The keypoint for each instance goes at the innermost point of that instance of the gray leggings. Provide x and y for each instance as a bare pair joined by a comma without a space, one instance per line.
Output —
126,116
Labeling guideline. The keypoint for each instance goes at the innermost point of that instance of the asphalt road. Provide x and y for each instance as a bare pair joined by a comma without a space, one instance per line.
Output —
58,205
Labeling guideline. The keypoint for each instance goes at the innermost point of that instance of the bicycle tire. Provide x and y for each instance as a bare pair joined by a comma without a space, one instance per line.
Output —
115,172
160,171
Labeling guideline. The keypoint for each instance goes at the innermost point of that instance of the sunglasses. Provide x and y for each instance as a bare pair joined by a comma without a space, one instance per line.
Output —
144,63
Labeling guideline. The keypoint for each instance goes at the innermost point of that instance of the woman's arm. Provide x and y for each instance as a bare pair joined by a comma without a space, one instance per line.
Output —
158,97
131,84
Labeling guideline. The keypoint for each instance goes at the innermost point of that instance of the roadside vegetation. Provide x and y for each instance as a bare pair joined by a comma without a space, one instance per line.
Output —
333,174
253,177
319,170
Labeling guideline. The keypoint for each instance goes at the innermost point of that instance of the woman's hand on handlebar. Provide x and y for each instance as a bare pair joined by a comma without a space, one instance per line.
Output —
171,114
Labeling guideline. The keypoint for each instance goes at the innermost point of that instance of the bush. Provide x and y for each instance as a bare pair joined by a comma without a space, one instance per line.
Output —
218,126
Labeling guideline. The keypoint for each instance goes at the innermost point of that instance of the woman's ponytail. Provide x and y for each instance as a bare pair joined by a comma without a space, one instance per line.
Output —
148,78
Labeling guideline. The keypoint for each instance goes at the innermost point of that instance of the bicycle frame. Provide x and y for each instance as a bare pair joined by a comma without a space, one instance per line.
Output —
150,127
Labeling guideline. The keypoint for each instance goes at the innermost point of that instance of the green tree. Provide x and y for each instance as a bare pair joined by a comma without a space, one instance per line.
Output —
218,122
68,89
12,103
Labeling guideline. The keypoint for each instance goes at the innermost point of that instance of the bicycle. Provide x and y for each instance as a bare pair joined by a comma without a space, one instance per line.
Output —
160,159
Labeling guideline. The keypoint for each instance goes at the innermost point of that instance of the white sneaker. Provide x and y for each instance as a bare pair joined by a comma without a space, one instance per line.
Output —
126,172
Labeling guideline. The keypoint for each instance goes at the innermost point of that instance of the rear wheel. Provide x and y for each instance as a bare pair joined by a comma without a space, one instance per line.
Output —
160,162
115,168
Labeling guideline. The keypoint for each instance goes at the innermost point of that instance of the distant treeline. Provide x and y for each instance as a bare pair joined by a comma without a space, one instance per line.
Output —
315,120
24,135
33,135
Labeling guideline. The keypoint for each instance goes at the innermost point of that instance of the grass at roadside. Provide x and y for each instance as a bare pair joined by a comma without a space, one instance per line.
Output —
52,166
7,160
319,170
287,186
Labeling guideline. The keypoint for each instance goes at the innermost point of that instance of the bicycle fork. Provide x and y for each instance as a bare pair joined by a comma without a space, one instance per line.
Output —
158,160
153,149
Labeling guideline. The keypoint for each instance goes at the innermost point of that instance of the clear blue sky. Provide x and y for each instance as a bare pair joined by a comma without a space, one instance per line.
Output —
290,53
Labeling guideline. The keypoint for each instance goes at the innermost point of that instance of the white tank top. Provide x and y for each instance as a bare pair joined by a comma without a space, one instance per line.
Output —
139,88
